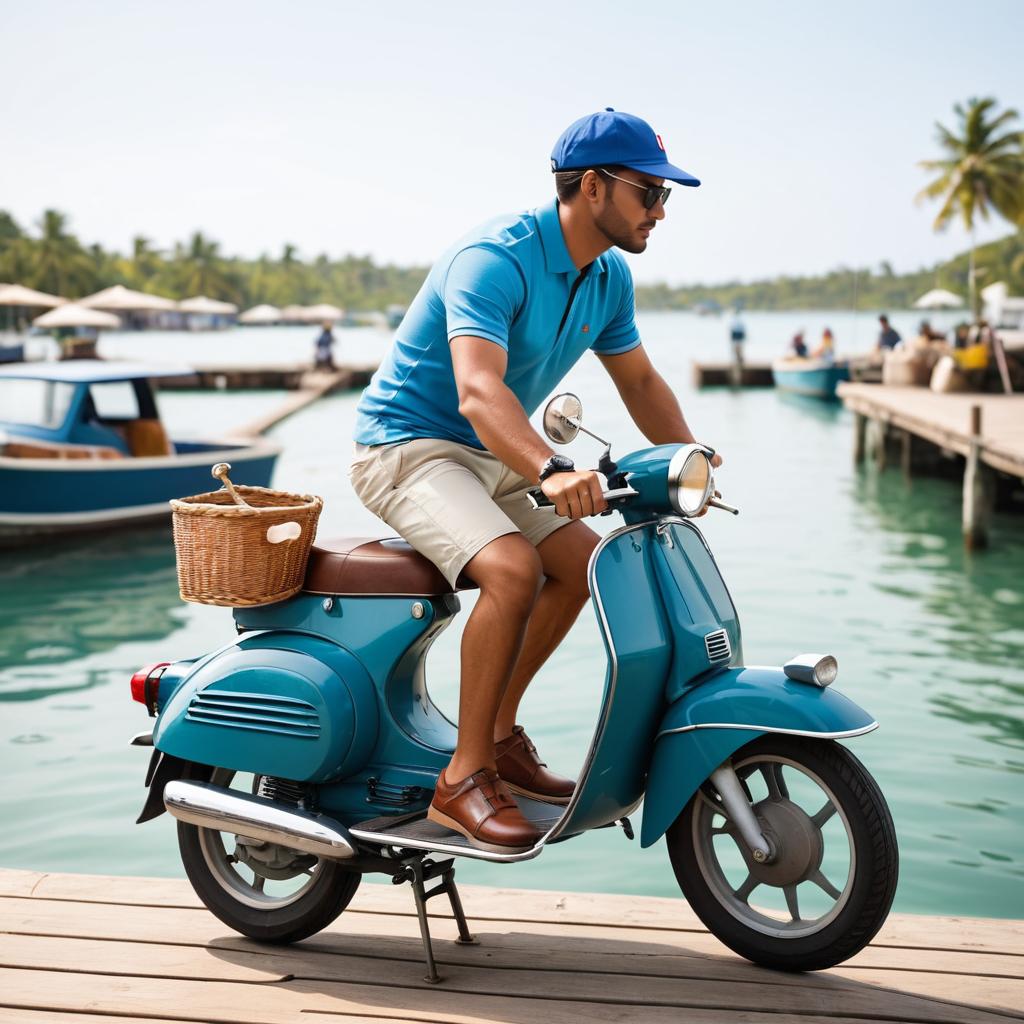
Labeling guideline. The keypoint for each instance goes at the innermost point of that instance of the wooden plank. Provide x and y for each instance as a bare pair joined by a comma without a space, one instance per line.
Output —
484,903
19,883
218,1002
573,974
508,943
13,1015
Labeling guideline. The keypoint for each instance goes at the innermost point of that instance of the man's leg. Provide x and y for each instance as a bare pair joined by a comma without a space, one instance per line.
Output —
508,572
564,556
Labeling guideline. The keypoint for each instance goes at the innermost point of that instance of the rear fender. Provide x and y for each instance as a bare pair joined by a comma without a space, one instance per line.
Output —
164,768
709,723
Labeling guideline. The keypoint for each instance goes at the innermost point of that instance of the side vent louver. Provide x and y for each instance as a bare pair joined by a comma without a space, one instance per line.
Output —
717,645
256,712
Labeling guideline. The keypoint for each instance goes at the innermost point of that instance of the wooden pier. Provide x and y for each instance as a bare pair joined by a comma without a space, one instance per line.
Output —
285,377
81,949
728,375
986,430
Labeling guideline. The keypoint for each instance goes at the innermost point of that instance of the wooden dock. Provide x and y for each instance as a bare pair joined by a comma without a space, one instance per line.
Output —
216,377
986,430
81,949
728,375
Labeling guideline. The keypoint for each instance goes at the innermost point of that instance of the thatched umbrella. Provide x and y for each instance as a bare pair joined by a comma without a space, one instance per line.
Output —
19,295
120,298
73,314
939,298
261,315
323,311
210,307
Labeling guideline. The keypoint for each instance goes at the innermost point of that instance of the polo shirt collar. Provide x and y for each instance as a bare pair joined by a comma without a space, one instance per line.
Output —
556,255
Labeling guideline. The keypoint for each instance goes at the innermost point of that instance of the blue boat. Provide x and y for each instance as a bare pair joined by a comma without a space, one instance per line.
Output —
82,447
815,377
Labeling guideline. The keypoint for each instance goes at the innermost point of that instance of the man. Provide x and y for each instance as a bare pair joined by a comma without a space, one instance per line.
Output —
445,452
888,338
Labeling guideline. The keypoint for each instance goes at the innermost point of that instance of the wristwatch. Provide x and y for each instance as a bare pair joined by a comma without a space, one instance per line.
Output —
556,464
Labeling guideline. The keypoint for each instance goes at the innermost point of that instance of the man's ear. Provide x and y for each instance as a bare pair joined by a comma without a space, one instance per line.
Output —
591,185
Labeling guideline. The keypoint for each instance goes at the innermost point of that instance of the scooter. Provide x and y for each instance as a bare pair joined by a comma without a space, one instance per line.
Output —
303,753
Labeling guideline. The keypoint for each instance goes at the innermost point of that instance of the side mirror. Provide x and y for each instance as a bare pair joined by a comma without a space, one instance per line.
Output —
562,416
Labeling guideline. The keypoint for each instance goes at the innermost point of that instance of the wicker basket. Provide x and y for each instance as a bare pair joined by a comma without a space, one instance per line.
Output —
243,546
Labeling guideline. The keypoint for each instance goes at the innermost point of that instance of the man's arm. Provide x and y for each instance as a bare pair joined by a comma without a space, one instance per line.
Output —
502,425
650,401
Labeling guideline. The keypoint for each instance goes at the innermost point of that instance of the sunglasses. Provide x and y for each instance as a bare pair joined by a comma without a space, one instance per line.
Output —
652,193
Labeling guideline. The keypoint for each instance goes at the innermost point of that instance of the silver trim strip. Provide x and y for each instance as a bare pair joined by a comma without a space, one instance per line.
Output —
847,734
385,839
613,664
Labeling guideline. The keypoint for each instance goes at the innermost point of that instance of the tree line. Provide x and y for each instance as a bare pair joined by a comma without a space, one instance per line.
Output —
980,173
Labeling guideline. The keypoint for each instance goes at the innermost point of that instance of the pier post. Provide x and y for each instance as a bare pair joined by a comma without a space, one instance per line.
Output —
907,454
875,441
860,422
979,490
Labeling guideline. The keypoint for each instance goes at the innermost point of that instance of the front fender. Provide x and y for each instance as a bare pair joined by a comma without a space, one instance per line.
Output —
713,720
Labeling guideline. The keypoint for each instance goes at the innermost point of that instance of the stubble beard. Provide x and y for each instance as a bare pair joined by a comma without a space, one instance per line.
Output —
614,227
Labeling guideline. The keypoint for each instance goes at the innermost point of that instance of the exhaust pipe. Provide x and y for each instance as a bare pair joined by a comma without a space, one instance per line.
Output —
252,817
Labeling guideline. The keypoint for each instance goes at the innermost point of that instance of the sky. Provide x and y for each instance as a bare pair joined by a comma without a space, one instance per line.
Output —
391,129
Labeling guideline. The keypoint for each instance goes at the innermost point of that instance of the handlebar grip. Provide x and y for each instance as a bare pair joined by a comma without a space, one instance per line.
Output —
538,499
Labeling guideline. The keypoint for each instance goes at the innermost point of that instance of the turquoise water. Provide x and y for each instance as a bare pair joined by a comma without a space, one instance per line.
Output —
823,557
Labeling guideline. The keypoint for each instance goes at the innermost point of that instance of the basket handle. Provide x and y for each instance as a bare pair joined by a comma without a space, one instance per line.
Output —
220,471
283,533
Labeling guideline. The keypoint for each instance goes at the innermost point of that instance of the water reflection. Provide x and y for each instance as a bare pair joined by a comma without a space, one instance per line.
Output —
75,597
815,408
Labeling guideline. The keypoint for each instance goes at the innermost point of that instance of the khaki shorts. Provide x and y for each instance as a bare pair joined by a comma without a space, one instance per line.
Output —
448,500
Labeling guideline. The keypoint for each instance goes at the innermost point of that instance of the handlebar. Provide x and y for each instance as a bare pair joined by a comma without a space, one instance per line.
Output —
538,499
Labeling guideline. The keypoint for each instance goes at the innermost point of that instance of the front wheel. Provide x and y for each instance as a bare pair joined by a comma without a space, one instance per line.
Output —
270,893
831,881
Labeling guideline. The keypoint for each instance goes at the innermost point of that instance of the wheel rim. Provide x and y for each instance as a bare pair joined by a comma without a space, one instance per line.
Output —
815,854
249,883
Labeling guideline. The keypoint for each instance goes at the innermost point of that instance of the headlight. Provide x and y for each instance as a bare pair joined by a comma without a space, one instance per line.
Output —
689,480
819,669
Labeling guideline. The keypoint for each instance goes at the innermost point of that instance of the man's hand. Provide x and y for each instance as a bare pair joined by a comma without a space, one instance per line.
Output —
575,494
716,460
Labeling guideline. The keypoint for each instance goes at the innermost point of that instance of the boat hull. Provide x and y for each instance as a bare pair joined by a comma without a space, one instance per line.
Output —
41,497
809,377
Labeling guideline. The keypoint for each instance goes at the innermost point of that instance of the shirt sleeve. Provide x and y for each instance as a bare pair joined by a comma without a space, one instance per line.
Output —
620,334
483,291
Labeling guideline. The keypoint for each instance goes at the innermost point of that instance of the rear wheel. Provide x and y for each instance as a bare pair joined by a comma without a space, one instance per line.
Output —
829,886
264,891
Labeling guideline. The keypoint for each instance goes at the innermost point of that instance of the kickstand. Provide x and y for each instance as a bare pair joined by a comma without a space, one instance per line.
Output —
417,871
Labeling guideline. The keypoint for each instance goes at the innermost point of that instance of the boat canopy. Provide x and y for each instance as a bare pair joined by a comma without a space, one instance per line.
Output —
92,371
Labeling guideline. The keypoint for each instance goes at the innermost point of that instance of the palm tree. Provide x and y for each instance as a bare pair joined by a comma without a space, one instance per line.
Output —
983,169
54,262
201,270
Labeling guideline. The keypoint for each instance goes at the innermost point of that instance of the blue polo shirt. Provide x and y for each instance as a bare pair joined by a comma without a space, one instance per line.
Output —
510,281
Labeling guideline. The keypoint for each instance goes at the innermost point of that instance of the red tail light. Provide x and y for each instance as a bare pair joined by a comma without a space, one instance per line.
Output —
145,685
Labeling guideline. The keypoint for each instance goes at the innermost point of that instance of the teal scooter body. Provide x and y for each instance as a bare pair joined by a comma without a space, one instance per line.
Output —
312,740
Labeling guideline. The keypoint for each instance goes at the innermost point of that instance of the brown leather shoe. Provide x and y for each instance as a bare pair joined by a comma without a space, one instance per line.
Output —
483,810
523,772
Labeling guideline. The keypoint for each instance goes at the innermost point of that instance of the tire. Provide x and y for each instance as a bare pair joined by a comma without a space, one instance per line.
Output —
242,904
807,847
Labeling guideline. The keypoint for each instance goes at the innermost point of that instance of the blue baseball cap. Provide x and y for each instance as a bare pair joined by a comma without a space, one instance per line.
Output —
612,137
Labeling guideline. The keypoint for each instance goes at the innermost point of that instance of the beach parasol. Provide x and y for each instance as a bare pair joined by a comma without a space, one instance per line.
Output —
19,295
323,311
72,314
261,315
201,304
939,298
119,297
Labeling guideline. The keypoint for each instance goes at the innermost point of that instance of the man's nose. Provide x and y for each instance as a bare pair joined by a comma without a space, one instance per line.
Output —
657,211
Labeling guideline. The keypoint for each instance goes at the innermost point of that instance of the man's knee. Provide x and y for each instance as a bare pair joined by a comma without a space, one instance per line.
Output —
565,556
509,569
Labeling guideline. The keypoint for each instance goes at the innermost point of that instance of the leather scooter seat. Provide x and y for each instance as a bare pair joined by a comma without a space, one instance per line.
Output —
380,566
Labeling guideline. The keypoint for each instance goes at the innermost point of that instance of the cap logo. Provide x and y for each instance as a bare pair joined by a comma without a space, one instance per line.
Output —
661,145
586,328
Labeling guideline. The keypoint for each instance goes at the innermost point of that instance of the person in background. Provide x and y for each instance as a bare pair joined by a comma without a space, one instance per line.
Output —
325,347
798,347
887,337
960,335
827,349
737,336
928,333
